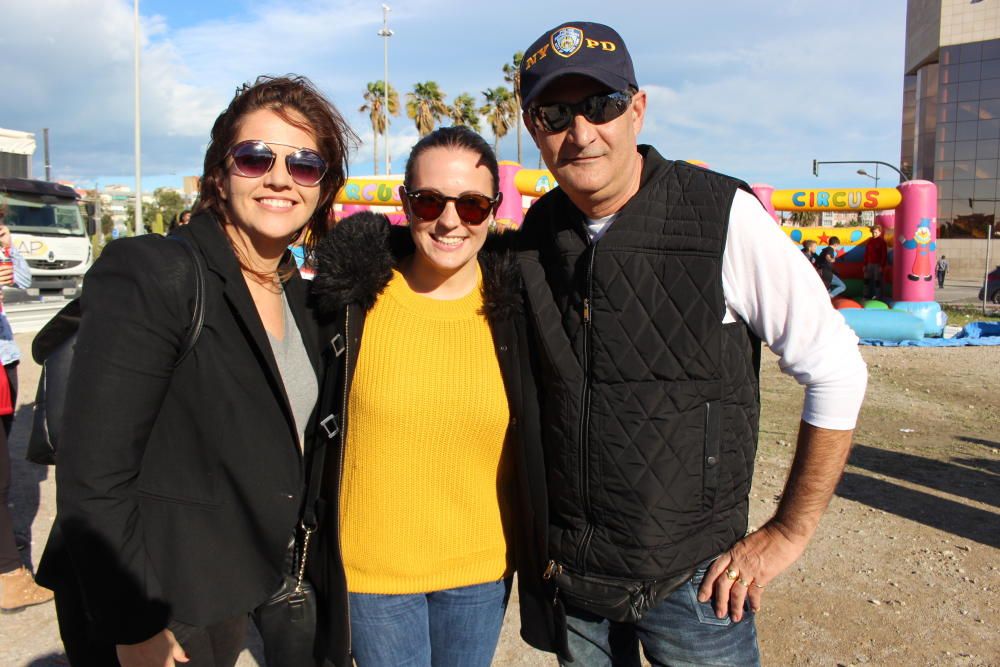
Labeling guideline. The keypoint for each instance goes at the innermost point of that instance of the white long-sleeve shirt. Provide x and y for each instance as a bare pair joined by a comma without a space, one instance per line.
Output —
768,283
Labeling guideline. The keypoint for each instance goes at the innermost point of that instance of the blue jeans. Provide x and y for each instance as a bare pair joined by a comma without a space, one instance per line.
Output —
680,632
836,286
457,627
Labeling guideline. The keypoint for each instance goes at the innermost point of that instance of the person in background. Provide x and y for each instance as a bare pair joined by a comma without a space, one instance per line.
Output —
303,257
420,534
809,250
941,268
183,218
824,264
17,586
834,244
876,257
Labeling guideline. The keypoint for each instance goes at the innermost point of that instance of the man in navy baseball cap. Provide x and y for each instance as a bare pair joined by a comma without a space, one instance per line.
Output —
650,285
578,47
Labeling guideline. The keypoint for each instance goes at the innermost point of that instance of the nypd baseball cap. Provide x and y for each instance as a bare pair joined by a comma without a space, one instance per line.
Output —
576,47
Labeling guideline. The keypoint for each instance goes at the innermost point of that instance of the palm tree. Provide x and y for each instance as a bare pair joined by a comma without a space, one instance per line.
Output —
374,101
499,112
512,75
425,105
463,112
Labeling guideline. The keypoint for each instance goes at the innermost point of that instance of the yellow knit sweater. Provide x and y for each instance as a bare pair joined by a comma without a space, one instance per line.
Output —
422,493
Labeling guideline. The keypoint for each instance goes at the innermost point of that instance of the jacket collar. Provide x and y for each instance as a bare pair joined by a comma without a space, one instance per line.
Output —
654,166
207,235
355,261
571,219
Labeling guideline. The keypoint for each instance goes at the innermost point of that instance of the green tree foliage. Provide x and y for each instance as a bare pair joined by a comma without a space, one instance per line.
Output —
374,101
426,106
170,204
463,112
512,75
167,203
499,112
130,219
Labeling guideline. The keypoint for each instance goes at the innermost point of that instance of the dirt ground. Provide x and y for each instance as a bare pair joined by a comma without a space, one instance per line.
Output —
904,567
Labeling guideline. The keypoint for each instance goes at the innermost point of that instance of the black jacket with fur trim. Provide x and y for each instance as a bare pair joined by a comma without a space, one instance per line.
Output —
354,265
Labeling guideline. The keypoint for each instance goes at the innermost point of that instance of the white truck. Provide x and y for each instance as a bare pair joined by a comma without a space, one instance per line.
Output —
48,229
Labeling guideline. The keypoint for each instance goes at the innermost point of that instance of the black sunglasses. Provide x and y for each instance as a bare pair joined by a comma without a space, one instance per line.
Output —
472,207
598,109
254,158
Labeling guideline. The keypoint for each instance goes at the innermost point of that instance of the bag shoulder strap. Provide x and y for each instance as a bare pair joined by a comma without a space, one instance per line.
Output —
198,313
64,325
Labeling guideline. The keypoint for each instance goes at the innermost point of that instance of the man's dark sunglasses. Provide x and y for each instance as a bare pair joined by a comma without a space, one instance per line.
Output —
254,158
598,109
472,207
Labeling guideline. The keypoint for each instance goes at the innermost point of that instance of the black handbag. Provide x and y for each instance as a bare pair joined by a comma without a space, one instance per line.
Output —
287,621
53,348
622,600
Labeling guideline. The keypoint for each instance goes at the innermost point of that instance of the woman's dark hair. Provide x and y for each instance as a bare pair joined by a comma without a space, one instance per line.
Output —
456,136
296,100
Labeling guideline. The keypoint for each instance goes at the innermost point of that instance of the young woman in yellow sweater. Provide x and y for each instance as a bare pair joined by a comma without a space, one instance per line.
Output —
424,364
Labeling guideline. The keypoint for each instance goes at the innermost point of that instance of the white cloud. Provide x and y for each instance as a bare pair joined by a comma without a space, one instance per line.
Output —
75,76
764,111
755,90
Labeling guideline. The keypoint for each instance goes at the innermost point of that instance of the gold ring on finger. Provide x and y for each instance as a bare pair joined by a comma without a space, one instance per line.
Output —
756,585
732,574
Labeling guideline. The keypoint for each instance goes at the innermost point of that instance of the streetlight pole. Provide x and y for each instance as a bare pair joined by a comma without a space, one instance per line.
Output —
385,34
138,125
817,163
862,172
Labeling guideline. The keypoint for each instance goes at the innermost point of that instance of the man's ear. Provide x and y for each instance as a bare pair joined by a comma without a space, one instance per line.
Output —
638,110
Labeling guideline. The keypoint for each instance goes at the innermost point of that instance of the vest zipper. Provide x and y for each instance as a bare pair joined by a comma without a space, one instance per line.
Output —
340,469
581,554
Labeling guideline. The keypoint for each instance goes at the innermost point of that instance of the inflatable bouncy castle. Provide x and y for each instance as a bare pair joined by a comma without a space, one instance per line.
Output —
907,213
908,216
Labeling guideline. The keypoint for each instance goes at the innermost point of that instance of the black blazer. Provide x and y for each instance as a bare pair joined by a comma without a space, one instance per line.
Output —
178,489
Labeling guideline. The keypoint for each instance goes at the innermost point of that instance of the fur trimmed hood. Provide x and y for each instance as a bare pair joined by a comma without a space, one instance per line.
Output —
354,263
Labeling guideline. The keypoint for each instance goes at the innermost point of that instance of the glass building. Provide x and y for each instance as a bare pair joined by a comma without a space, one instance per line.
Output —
951,108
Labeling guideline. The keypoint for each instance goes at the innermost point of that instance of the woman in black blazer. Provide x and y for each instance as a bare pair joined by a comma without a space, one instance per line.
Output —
180,480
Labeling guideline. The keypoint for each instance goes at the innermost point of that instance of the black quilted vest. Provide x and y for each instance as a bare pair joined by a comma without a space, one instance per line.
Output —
650,403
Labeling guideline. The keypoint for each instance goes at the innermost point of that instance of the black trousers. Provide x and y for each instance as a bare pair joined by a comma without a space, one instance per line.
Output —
10,559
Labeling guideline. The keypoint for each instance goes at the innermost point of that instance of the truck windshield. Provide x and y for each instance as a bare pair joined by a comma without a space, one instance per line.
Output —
47,216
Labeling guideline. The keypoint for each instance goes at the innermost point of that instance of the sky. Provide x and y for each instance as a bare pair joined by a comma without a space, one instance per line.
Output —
756,90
